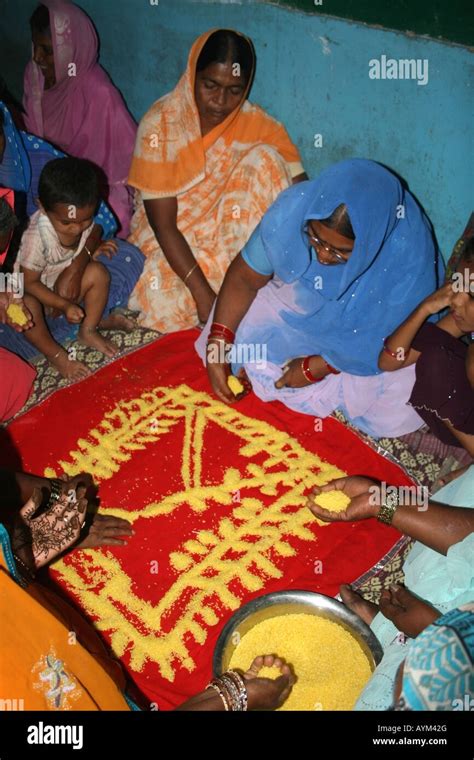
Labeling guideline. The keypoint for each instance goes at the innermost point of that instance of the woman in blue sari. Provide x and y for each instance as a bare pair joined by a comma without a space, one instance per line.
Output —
22,158
306,306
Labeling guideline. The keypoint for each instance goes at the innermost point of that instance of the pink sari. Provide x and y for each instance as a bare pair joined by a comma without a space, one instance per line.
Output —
83,114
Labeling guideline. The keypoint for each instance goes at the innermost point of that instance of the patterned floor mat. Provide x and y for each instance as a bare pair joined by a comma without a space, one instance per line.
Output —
48,379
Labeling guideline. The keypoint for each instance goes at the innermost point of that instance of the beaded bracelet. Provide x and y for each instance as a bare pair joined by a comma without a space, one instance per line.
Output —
26,572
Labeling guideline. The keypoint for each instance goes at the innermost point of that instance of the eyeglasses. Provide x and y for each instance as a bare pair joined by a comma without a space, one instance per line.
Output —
326,248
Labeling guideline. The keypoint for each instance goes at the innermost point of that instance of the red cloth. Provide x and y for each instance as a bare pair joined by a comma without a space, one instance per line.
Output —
16,382
49,432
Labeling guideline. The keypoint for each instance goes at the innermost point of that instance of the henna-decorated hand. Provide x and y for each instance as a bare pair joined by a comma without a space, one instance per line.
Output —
39,540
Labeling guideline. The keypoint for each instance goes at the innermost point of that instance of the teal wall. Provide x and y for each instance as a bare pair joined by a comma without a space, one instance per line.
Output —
312,74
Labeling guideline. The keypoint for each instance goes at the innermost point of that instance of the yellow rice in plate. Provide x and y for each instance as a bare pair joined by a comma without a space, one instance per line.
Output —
330,666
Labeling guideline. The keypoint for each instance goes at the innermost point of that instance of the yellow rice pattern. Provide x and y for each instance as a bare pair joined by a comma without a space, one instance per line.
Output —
204,576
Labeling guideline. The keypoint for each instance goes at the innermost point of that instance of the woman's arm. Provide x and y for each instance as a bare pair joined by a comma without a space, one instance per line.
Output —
399,342
241,285
438,526
162,215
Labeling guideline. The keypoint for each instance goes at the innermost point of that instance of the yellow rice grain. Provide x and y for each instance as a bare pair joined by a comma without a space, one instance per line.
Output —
17,314
333,501
235,385
330,666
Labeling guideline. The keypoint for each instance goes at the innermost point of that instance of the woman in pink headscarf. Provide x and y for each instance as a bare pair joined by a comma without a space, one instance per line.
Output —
72,103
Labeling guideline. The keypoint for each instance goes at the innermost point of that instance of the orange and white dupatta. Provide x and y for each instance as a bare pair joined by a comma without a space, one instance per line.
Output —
224,182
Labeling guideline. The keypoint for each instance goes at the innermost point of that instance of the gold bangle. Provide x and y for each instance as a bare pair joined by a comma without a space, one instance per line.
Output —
185,279
388,509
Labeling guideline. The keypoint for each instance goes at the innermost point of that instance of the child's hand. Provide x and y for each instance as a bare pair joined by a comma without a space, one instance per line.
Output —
6,301
108,247
439,300
74,313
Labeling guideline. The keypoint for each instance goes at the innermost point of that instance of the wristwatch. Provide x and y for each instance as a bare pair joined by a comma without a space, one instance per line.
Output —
387,510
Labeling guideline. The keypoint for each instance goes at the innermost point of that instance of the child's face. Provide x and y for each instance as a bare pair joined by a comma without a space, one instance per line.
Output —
462,300
70,221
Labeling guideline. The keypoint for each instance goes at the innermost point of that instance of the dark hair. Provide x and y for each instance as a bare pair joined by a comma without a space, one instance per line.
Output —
225,45
467,251
69,180
340,221
39,21
8,220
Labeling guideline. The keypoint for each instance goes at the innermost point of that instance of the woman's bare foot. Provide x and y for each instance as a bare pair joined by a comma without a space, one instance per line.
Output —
364,609
89,336
118,322
69,368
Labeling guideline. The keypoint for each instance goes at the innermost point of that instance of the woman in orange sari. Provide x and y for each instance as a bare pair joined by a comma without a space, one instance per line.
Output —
208,164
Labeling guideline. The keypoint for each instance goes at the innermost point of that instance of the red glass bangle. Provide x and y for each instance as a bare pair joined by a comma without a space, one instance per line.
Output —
388,351
221,338
222,330
307,372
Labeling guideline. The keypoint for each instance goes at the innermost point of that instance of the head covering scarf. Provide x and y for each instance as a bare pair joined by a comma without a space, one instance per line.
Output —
344,312
170,152
439,670
67,113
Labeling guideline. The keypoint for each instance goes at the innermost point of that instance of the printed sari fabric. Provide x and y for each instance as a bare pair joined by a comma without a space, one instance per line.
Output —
83,114
51,658
224,183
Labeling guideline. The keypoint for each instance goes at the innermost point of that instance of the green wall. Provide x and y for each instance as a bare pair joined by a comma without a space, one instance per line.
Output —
446,19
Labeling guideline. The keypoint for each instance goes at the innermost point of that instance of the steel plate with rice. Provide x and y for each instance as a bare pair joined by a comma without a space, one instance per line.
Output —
331,651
